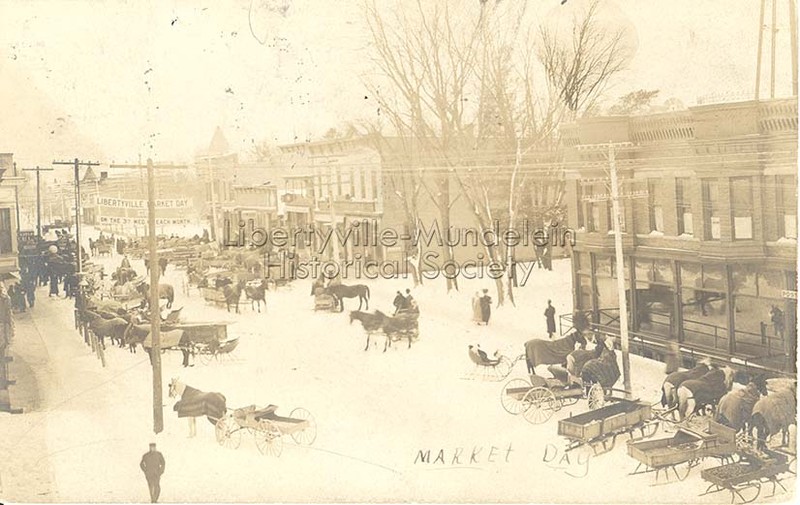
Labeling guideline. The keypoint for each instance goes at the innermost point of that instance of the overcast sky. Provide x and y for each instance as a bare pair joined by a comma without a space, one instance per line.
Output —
108,79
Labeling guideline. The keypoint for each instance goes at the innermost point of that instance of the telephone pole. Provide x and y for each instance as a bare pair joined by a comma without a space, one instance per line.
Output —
155,271
76,163
615,197
38,197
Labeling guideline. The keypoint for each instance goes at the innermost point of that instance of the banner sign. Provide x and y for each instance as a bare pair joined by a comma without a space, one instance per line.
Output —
119,203
142,221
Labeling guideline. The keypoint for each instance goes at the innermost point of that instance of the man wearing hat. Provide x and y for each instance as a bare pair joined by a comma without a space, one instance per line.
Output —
153,466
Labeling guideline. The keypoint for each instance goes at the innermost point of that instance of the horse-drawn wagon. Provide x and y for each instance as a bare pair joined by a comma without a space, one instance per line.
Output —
538,399
743,479
208,340
598,429
683,451
267,428
324,300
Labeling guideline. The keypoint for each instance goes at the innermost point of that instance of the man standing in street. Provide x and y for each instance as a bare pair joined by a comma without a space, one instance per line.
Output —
153,466
550,316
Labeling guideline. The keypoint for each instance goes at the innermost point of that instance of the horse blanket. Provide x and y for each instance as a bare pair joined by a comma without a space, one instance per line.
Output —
578,358
736,407
778,409
547,352
678,378
708,389
195,403
603,369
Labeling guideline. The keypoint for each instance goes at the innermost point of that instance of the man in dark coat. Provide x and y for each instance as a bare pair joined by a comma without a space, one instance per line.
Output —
153,465
399,302
486,307
550,316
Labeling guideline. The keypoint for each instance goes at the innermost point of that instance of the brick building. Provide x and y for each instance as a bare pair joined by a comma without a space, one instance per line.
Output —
711,250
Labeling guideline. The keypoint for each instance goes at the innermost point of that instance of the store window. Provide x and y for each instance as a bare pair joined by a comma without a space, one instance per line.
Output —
654,205
786,193
684,207
6,243
742,208
711,208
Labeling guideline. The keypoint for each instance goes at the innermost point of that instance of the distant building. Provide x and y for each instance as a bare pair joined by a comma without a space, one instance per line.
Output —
10,181
710,246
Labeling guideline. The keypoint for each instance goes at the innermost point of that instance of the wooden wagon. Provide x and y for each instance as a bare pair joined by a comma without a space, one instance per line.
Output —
599,428
267,428
744,478
208,340
683,451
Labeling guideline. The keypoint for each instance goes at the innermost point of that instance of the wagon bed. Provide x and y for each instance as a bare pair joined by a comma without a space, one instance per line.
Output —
683,451
600,428
743,479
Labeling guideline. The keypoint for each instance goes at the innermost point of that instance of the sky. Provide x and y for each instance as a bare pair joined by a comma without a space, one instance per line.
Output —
115,79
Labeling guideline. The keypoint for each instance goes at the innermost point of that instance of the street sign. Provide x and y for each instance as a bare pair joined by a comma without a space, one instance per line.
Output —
792,295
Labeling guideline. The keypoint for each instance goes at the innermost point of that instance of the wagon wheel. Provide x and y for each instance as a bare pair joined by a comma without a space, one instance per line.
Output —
539,404
307,435
503,368
511,404
596,396
269,439
228,433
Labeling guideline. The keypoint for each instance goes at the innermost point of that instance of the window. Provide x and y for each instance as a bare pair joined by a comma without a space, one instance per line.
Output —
593,210
654,206
375,189
684,206
742,208
6,245
711,221
786,193
352,183
363,178
581,205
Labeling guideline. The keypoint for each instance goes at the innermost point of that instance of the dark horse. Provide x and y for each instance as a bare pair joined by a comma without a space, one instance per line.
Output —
194,403
257,294
233,293
551,352
371,322
165,292
341,291
390,326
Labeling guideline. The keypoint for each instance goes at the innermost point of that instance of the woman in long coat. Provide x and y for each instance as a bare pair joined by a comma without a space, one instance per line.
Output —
486,306
476,308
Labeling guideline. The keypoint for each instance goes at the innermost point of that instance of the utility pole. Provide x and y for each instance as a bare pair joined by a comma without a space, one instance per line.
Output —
155,316
617,212
38,197
76,163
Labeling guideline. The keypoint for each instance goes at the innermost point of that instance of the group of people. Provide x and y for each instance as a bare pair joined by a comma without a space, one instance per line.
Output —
404,303
481,307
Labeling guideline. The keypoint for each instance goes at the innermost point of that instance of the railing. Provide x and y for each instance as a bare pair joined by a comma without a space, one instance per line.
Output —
349,206
778,115
662,127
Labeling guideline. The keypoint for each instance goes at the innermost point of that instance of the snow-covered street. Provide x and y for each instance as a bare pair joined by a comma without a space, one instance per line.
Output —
375,412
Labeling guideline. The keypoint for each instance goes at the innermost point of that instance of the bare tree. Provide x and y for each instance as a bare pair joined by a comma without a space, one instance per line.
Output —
579,67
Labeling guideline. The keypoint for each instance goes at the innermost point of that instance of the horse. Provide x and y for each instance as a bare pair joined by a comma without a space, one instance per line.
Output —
257,294
114,327
551,352
774,413
669,389
603,370
399,324
233,293
696,394
135,334
341,291
735,409
162,264
165,292
371,323
194,403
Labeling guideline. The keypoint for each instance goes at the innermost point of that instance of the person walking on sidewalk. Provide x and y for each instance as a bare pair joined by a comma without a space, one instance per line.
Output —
153,465
550,316
486,307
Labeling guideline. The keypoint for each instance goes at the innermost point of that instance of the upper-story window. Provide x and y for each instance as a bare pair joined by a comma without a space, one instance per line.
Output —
6,243
593,211
654,206
581,205
786,192
684,207
711,208
742,207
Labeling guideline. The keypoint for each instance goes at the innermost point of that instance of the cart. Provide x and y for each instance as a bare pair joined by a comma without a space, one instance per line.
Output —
324,301
598,429
539,398
683,451
743,479
267,428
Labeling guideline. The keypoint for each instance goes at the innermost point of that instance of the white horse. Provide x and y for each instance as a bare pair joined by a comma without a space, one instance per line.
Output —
194,403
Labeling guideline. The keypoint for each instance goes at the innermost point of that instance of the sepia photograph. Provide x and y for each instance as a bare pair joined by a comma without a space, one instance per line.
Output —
398,251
